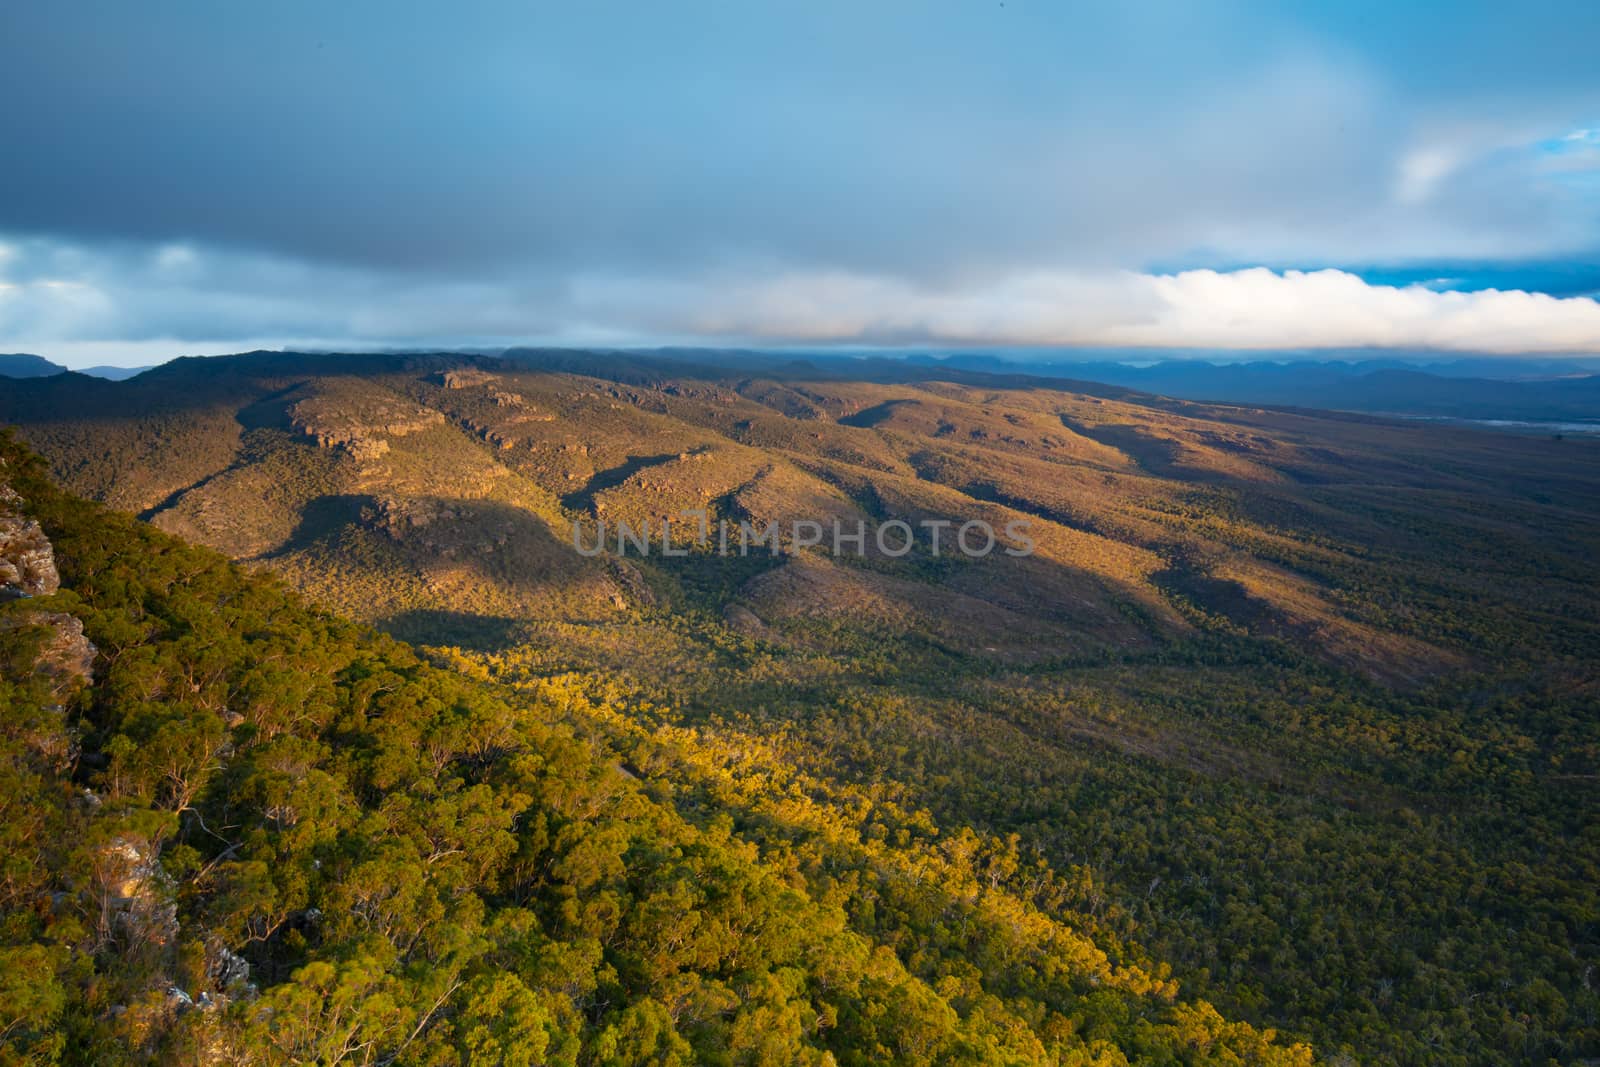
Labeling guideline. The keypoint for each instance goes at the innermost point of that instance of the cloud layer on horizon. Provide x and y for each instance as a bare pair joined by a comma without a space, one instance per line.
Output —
175,299
1252,308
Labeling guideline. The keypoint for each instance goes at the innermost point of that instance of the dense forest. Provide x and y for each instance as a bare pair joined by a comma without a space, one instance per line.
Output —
1283,745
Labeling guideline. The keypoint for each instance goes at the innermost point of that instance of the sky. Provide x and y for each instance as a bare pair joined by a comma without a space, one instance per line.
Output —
189,178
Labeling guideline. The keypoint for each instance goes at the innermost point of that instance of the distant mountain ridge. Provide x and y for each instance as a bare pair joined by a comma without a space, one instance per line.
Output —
1463,389
1468,389
27,365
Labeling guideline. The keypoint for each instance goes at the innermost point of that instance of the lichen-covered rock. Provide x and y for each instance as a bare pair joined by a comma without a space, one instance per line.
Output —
227,971
28,569
27,562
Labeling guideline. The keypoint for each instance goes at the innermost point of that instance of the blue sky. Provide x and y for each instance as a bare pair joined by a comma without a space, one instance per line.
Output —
205,177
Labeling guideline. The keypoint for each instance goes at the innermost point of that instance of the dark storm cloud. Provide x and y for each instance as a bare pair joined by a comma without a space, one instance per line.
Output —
475,170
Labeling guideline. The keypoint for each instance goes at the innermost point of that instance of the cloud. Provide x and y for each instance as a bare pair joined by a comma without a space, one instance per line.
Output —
1331,308
137,303
1243,309
1422,169
910,139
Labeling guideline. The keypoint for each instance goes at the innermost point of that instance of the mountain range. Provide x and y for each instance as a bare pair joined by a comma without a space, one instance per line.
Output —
1478,389
1521,394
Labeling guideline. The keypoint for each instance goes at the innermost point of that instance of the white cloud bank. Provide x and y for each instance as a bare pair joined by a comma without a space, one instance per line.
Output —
1244,309
140,305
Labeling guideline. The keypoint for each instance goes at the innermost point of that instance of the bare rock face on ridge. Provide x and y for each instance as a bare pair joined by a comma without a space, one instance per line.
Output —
360,423
27,562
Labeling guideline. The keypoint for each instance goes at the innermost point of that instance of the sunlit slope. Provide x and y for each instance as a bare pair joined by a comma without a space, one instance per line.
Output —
405,489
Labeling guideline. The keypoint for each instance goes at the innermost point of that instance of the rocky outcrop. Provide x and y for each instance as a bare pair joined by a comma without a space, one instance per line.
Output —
744,620
464,378
631,585
27,562
361,425
28,569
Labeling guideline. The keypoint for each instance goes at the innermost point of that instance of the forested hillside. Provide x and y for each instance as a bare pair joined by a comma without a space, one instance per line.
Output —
1296,713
